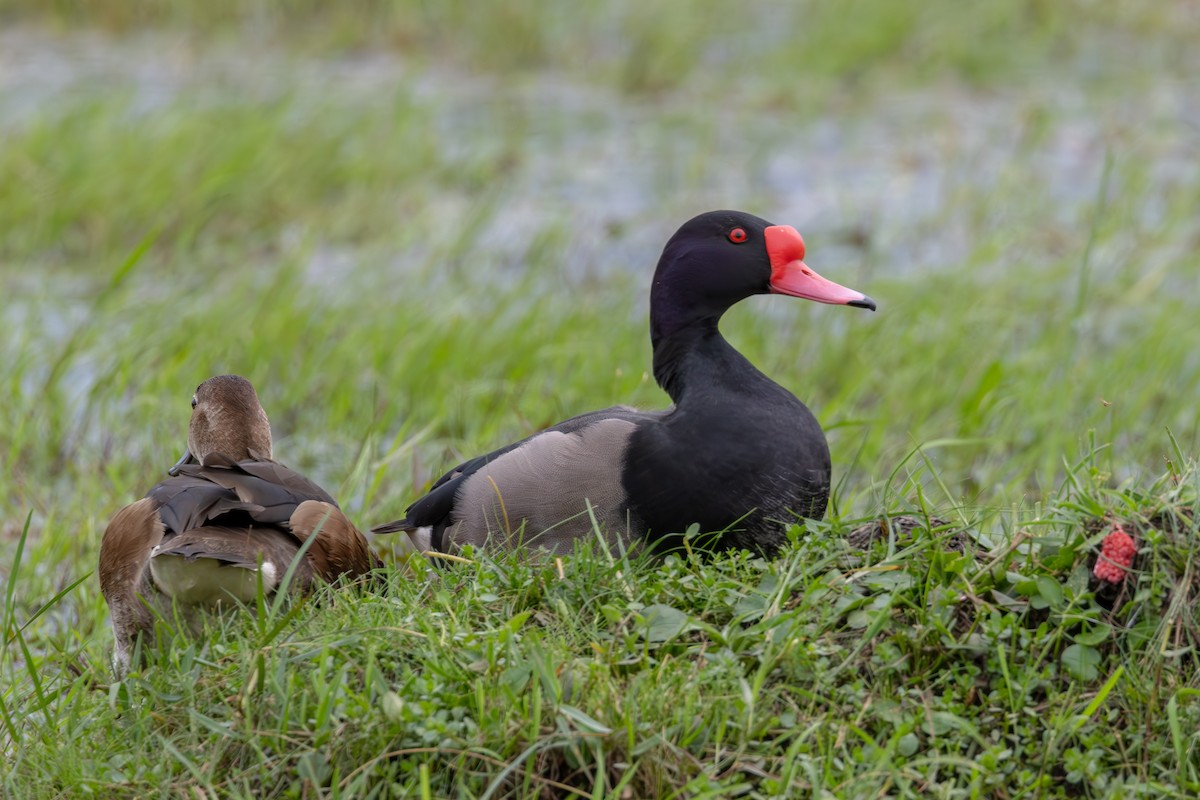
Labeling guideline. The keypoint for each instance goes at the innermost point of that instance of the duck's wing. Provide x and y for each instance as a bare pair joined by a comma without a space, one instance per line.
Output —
339,549
276,474
233,546
262,496
191,500
546,448
267,491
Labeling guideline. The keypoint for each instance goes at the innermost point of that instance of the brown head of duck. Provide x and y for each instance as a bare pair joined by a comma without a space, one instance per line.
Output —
227,520
227,418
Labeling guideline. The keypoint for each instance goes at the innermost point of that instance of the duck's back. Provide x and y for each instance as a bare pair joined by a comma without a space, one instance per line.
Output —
223,521
264,492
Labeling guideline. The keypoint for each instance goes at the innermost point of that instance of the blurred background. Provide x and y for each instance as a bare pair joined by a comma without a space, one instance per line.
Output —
425,229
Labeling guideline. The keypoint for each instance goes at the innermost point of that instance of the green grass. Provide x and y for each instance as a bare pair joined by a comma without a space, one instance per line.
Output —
414,262
650,48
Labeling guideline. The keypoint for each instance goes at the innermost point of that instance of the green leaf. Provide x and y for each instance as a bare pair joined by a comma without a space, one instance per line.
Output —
1078,582
587,723
858,619
518,620
1081,662
888,581
1050,589
750,606
943,722
663,622
1098,633
1024,586
516,677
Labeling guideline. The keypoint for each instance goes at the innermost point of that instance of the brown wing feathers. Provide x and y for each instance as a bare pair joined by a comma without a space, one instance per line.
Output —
339,548
269,494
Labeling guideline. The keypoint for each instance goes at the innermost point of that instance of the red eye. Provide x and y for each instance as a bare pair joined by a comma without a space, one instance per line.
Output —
738,235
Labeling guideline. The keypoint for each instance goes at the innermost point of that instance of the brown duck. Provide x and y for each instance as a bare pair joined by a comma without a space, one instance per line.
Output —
228,517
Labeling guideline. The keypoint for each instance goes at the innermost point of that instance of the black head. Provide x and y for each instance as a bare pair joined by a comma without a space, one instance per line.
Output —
716,259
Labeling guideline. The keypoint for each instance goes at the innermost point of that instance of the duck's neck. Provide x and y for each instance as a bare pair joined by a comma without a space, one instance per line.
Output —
695,361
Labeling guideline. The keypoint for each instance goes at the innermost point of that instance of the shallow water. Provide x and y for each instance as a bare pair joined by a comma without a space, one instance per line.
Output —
907,183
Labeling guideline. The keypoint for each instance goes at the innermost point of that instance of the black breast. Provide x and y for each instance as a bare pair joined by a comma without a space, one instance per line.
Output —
742,471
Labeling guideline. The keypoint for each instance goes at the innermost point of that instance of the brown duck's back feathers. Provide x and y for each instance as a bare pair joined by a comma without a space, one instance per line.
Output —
266,492
256,509
266,470
190,501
